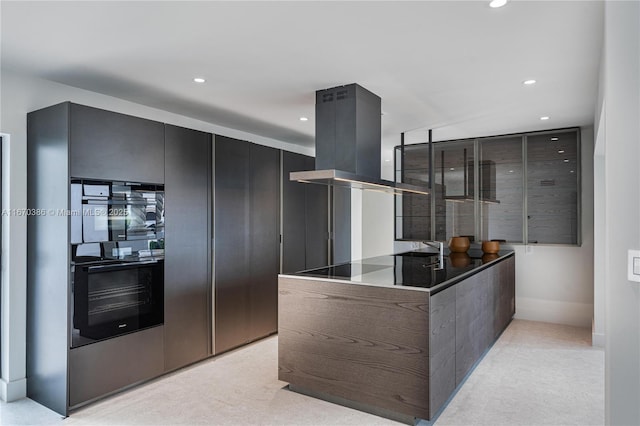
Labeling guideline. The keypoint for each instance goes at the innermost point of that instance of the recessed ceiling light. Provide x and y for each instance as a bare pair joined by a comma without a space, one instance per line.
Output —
554,139
571,171
452,169
199,80
510,171
497,3
544,118
561,151
304,119
529,82
566,160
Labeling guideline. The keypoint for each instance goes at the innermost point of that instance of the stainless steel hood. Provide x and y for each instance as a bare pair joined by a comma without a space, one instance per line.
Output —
348,142
333,177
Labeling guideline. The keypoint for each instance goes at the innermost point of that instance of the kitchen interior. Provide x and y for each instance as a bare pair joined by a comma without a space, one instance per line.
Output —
379,239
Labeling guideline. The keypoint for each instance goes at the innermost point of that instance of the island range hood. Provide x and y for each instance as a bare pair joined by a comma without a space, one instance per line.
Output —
348,142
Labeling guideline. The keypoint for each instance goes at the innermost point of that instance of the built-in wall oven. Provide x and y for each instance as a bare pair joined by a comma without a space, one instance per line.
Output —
117,297
117,252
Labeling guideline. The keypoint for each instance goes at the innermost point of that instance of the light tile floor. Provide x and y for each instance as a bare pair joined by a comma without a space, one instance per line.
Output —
536,374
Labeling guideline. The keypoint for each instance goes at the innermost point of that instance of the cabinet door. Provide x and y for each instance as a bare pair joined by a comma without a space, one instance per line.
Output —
113,364
232,237
264,240
442,348
470,321
305,218
294,222
316,222
112,146
505,295
187,246
341,226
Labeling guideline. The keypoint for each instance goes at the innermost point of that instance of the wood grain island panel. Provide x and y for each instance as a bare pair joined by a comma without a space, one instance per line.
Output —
390,349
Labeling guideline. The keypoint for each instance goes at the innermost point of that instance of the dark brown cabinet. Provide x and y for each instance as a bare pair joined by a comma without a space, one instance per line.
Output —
305,218
112,146
437,337
246,235
484,306
68,141
187,246
240,249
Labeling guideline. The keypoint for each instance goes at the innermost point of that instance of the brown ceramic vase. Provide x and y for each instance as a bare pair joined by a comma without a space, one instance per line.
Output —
491,247
459,244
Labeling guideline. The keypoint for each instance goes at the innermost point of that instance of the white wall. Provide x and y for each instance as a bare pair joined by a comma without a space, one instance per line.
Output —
621,141
21,95
600,244
377,224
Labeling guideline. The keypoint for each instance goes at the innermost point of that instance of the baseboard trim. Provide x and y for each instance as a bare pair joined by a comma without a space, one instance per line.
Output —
556,312
13,391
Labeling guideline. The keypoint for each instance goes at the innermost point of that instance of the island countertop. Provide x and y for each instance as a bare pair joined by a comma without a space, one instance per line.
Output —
419,269
392,335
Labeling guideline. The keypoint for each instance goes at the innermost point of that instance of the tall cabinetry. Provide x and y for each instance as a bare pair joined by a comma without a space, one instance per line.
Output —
70,142
246,235
74,141
187,320
305,218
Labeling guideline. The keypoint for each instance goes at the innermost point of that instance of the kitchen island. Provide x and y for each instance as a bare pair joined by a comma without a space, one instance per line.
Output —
393,335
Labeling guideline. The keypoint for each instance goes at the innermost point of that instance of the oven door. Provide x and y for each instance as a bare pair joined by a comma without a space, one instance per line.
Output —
116,298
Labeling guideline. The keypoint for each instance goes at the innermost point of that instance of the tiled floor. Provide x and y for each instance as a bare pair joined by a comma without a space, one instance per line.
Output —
536,374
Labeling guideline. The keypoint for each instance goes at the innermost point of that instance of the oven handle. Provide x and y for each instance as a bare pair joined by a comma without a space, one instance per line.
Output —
127,265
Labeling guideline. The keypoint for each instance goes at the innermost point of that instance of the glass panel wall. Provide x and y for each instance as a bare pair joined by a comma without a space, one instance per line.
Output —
552,188
501,195
515,188
454,195
413,211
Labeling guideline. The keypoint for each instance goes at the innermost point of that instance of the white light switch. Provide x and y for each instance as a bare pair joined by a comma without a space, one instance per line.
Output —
633,265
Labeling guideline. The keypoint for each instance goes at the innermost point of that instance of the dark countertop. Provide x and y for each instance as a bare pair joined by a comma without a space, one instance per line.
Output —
418,270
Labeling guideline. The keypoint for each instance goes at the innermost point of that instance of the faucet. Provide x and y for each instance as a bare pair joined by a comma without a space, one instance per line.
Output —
440,246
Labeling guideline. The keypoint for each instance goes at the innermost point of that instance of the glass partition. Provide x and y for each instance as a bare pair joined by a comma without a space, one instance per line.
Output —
453,173
552,188
501,194
413,211
513,188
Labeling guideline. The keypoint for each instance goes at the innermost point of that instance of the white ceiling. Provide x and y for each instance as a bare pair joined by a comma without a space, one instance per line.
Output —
454,66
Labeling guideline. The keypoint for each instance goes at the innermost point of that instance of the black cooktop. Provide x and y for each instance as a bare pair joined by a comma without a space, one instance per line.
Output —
410,269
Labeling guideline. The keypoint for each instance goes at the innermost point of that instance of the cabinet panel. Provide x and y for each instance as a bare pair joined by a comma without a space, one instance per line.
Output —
113,146
232,238
470,322
317,222
264,240
504,295
442,347
305,218
107,366
294,222
247,186
341,226
187,247
48,279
